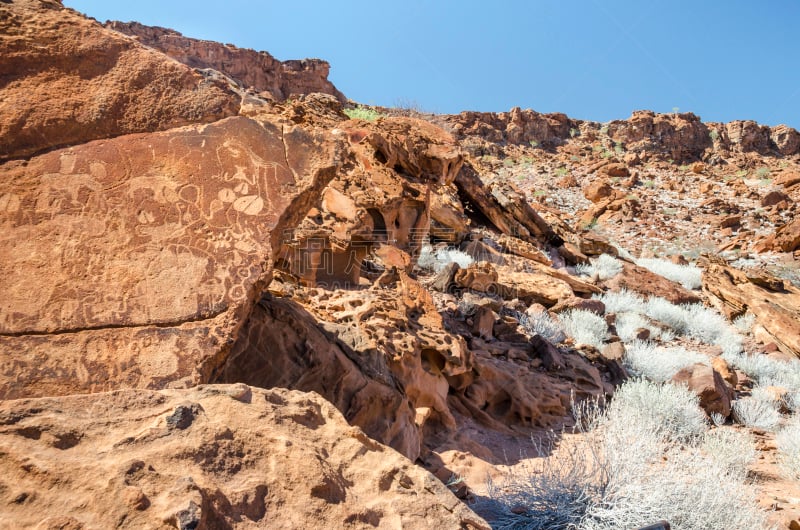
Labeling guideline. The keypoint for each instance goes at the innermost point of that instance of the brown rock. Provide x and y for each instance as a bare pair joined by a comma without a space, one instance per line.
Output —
614,351
445,278
131,262
568,181
586,304
257,70
531,287
714,393
774,197
776,312
480,251
646,283
506,208
597,190
483,322
478,277
678,259
550,355
785,239
788,180
225,470
616,170
730,221
722,367
513,245
67,80
378,355
786,139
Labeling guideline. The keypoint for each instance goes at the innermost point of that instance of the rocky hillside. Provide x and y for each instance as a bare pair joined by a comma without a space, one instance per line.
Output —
230,308
256,71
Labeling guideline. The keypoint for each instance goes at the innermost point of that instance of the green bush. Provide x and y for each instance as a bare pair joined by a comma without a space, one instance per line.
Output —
362,113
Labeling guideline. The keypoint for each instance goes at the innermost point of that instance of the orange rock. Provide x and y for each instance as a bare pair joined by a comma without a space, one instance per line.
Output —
714,393
71,81
254,69
597,190
278,446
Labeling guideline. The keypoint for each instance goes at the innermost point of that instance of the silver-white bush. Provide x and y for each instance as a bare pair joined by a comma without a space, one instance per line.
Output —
543,324
733,449
671,411
659,363
622,301
629,472
585,327
436,260
689,276
756,413
788,441
628,325
604,267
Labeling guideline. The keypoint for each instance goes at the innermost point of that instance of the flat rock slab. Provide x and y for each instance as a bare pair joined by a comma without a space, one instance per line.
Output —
143,253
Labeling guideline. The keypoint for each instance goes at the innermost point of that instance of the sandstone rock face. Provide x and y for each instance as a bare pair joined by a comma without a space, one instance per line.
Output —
131,262
67,80
748,135
216,456
257,70
785,139
786,238
517,126
680,136
777,311
380,355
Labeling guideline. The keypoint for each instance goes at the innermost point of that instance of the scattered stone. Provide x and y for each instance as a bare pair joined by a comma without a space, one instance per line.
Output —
714,393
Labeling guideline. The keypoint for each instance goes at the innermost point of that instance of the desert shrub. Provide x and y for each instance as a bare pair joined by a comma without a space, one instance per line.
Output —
689,276
666,312
604,267
630,472
767,371
667,335
436,260
543,324
756,413
622,301
744,322
555,492
788,441
658,363
362,113
733,449
670,411
792,401
696,321
628,324
585,327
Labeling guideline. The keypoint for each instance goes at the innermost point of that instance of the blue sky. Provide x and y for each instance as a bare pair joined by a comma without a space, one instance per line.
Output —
592,59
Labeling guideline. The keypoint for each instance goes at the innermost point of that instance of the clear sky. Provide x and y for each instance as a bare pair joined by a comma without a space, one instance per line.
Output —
591,59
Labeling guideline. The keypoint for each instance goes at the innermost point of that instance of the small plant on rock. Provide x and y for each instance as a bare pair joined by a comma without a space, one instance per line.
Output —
585,327
604,267
362,113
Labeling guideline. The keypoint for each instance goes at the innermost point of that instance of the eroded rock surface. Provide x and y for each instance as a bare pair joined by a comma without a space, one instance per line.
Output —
133,261
253,69
67,80
216,456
